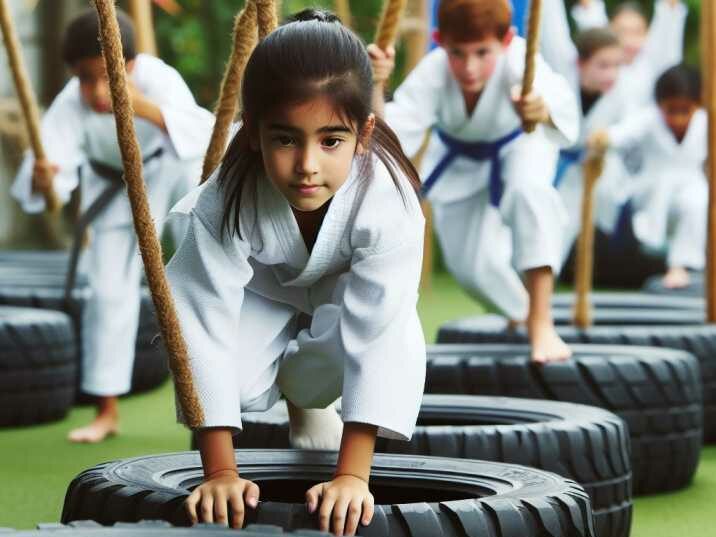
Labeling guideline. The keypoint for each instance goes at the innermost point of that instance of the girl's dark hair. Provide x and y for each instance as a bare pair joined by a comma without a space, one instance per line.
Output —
591,41
679,81
311,54
630,7
81,39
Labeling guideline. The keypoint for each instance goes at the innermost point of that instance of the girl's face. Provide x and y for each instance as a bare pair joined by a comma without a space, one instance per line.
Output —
308,150
677,113
599,73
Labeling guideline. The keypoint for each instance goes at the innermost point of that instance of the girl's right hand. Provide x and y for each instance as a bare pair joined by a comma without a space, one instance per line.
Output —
383,62
210,501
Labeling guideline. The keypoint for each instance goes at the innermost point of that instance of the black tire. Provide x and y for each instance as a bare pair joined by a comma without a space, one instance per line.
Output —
695,289
657,392
657,328
605,299
150,363
37,366
415,496
152,528
586,444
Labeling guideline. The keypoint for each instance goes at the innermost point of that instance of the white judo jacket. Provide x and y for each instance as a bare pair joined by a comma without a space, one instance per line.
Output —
238,297
73,134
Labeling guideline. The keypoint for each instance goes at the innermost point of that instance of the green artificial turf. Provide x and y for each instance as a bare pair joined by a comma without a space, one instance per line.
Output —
37,463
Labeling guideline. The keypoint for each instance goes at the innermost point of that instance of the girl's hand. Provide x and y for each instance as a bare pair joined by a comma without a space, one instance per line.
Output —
383,62
532,108
344,502
43,174
210,501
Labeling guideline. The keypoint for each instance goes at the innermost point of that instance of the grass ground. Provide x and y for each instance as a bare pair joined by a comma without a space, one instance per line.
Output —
37,464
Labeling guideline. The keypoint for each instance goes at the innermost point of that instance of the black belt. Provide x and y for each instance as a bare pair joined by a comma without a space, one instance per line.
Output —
115,178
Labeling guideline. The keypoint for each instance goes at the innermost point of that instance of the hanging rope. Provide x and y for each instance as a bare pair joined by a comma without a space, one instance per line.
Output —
390,23
26,96
143,223
267,16
141,13
343,10
244,41
593,167
533,31
708,53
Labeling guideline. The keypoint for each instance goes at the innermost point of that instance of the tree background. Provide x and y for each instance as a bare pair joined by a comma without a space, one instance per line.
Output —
197,41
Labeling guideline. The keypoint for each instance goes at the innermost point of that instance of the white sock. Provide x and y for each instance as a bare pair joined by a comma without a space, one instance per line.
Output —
315,428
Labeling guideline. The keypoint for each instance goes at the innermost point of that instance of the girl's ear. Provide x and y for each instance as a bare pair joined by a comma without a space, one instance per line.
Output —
509,36
365,135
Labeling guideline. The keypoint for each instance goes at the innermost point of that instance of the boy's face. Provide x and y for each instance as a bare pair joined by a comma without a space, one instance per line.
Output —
472,63
599,73
94,84
631,29
677,113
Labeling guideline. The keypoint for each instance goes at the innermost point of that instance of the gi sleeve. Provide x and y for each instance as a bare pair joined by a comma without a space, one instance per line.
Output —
556,44
592,16
633,129
664,45
188,124
414,108
208,277
62,138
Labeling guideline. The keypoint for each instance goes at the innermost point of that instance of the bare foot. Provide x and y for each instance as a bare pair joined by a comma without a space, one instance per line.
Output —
105,424
546,344
315,428
101,428
676,278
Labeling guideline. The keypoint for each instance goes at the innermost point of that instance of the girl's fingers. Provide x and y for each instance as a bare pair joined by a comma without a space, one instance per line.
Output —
236,501
221,515
313,495
206,508
353,516
324,513
251,495
368,508
339,515
190,506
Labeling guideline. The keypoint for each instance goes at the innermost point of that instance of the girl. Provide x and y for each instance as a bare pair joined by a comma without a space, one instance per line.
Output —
669,197
299,272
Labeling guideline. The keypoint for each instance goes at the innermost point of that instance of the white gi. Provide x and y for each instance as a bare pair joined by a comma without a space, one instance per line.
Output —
73,135
485,236
663,47
670,196
238,299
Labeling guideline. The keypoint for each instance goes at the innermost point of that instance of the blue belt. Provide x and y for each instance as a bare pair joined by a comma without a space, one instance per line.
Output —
476,151
623,236
567,158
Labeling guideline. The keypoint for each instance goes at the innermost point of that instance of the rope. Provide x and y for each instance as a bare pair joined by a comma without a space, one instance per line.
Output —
267,15
533,31
708,49
343,10
26,96
244,42
593,167
141,12
143,223
389,23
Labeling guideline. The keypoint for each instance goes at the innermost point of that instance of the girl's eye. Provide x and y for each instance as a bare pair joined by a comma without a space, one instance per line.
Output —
332,143
284,140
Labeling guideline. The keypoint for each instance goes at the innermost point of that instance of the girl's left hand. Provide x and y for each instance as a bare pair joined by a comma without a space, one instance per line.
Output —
532,108
344,502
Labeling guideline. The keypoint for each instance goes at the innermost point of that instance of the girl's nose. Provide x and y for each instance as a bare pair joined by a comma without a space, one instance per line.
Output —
307,162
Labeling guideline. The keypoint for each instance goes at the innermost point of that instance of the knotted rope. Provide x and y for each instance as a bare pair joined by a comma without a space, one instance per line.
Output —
533,31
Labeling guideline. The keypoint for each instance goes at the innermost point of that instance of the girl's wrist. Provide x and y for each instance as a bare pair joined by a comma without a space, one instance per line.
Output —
222,472
348,474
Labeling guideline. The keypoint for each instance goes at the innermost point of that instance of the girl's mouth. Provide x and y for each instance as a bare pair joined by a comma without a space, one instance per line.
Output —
307,190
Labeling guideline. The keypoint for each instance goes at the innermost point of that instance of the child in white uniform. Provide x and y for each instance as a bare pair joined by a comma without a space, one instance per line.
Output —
299,273
490,186
79,135
669,197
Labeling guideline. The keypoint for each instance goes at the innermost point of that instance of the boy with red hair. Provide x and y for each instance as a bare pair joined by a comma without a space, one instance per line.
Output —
490,184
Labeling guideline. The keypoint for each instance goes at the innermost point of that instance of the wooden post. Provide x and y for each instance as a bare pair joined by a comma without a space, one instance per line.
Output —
26,95
708,56
141,13
593,167
533,29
